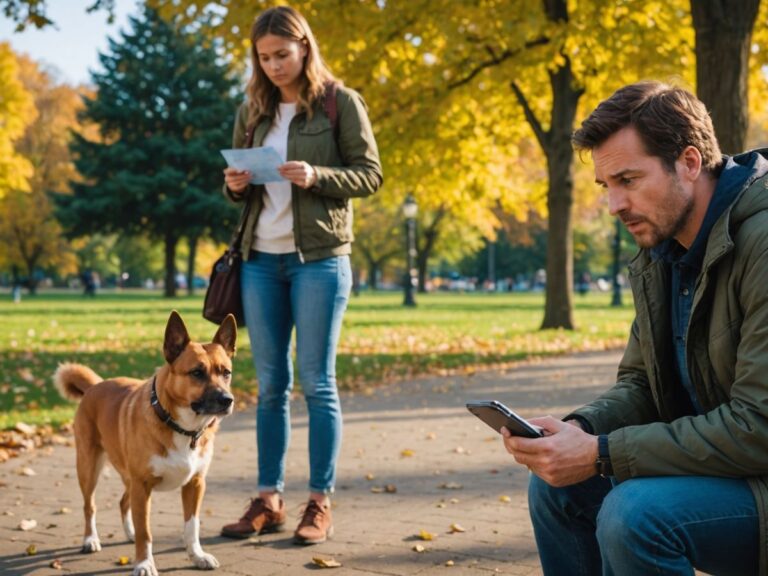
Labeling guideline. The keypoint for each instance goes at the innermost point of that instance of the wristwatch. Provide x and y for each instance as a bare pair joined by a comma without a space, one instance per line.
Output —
603,463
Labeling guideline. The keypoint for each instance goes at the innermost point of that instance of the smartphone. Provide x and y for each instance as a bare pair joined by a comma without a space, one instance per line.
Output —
496,415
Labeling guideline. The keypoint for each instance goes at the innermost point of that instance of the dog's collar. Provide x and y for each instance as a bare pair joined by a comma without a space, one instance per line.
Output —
170,422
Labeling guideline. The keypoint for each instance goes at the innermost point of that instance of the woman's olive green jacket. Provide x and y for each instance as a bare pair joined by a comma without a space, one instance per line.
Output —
347,165
727,354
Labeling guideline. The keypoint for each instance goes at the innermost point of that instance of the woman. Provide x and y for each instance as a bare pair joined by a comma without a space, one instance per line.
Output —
296,244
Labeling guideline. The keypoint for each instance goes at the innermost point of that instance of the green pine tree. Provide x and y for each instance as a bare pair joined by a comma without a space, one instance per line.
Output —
164,106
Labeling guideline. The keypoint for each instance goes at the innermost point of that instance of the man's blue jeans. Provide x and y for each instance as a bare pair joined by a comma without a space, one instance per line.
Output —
279,292
643,526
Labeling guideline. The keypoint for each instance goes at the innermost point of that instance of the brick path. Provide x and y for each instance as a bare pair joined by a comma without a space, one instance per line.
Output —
457,473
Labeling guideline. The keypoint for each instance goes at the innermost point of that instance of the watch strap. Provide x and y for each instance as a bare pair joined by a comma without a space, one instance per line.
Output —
603,464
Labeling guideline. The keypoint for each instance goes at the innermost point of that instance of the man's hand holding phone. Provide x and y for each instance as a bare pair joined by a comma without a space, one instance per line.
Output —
565,454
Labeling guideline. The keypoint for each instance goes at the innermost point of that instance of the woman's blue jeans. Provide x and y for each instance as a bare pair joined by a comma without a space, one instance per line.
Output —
657,525
280,292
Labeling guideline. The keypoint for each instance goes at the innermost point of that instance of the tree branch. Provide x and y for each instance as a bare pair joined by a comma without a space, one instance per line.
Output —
495,60
541,135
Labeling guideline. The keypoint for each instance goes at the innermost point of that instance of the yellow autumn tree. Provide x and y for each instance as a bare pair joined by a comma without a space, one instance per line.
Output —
17,110
30,234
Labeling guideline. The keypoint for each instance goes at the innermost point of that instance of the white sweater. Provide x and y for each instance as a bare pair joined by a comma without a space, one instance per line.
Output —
274,231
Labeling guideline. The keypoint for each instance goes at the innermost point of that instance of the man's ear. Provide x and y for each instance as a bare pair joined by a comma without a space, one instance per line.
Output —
226,335
176,337
690,163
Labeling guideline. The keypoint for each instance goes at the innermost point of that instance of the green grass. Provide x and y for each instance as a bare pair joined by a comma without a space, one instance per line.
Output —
121,334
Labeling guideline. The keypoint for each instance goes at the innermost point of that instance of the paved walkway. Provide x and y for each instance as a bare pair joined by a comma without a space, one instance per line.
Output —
447,468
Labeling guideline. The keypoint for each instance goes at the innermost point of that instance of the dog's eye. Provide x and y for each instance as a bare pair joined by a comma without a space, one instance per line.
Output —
198,373
226,373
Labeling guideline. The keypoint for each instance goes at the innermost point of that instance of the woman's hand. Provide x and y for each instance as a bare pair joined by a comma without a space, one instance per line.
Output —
300,173
236,180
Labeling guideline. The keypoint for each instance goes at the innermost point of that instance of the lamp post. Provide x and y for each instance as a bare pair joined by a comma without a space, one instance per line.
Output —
410,209
616,301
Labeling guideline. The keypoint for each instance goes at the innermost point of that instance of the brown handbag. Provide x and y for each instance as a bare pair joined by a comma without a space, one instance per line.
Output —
223,295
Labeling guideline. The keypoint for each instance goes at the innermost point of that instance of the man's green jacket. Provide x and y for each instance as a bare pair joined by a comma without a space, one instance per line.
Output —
650,433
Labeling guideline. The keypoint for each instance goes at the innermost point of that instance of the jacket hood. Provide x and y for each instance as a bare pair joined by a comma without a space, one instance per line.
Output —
744,169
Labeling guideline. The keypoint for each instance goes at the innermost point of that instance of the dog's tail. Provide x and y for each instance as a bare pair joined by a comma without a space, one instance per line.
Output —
72,380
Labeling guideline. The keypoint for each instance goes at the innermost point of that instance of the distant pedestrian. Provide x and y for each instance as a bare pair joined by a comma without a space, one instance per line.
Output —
89,283
296,245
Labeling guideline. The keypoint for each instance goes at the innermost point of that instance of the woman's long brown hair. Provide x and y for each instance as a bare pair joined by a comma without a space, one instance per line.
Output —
263,95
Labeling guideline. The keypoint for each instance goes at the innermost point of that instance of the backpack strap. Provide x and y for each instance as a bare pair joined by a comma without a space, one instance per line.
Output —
329,105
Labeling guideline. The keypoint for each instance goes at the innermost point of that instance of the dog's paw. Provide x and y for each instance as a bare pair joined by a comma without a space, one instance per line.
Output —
90,545
145,568
205,561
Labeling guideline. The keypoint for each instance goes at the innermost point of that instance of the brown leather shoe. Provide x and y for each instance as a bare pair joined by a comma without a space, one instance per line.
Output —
258,519
316,524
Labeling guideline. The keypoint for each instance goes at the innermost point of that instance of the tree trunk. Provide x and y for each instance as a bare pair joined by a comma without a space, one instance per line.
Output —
723,42
191,265
170,265
373,274
430,235
558,308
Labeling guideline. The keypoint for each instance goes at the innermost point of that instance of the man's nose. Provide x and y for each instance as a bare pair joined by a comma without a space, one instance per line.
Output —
617,202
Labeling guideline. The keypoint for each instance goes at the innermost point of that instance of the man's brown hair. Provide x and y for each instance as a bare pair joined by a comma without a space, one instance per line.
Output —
668,120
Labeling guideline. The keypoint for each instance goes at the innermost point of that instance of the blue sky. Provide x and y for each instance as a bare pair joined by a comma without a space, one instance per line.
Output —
72,47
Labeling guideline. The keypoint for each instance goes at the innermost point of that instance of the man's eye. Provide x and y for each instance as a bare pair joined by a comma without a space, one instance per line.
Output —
626,181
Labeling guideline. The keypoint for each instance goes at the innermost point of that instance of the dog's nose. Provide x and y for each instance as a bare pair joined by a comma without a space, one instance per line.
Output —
226,400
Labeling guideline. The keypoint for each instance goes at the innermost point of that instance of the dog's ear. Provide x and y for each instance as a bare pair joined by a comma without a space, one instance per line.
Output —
227,334
176,337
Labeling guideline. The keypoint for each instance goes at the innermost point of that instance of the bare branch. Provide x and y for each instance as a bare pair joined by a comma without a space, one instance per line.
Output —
541,135
496,59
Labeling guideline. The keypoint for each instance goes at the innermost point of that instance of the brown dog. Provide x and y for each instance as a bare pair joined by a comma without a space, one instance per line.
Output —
158,434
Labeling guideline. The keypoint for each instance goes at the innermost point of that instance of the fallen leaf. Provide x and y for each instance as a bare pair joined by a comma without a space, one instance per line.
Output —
459,450
325,562
431,436
56,564
449,562
454,500
427,536
63,510
27,471
31,550
377,489
407,453
505,499
441,504
390,489
451,486
369,476
24,428
418,548
123,561
456,528
27,525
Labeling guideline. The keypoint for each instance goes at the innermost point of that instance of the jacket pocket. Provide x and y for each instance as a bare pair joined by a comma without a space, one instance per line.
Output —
315,143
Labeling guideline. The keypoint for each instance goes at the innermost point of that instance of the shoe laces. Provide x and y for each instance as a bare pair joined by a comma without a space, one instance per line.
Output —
311,512
255,506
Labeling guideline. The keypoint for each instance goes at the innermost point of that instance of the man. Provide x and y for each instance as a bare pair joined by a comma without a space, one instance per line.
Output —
668,470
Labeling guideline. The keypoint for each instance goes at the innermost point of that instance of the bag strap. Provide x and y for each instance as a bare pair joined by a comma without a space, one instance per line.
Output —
237,237
331,110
